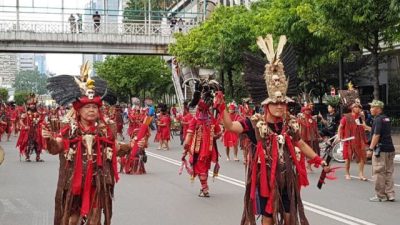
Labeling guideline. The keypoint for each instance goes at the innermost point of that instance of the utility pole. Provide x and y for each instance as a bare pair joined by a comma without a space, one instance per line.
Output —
205,9
150,17
62,16
17,15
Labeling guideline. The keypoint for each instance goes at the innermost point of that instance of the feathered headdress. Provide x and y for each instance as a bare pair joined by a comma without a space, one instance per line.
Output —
66,89
350,98
266,81
203,95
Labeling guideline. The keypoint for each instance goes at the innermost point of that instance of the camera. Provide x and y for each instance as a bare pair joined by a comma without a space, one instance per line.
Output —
377,151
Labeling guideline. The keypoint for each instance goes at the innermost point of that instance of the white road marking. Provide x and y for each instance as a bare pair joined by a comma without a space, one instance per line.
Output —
344,218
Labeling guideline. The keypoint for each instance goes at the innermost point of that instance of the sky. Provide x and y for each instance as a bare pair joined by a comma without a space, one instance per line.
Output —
56,63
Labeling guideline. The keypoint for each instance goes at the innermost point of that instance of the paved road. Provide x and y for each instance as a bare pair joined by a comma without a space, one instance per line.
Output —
163,197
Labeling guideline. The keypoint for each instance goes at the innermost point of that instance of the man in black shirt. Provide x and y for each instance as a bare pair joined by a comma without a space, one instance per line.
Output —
331,123
382,150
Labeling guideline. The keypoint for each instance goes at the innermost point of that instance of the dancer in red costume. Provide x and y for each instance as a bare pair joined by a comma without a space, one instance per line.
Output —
309,130
274,174
200,141
352,125
29,139
87,151
164,127
134,120
185,121
246,111
231,139
14,116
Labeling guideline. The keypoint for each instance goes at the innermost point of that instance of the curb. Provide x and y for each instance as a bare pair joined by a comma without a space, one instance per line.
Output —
397,158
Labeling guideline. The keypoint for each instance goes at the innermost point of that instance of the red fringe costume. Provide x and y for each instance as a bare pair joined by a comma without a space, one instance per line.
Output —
88,156
354,148
137,167
186,119
135,118
14,116
86,184
230,139
202,146
29,139
244,141
309,130
164,124
275,175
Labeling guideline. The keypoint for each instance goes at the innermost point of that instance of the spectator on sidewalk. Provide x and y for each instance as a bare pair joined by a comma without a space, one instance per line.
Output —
96,20
72,23
382,150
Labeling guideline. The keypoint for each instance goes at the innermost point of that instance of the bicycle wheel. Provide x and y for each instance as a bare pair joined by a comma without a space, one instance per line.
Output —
337,153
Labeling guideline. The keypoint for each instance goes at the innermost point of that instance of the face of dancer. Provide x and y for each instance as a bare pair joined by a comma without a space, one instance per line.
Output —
89,112
356,110
277,109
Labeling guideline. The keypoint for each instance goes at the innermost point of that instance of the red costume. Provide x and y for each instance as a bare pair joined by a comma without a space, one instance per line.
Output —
30,138
231,138
201,144
352,127
135,118
309,129
88,155
164,124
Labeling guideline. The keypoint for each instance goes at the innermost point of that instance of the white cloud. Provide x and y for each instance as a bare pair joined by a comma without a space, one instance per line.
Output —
64,63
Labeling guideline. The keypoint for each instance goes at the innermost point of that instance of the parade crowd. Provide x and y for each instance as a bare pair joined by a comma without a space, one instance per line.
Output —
279,144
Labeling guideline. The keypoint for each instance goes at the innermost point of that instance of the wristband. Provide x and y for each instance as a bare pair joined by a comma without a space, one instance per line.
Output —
317,161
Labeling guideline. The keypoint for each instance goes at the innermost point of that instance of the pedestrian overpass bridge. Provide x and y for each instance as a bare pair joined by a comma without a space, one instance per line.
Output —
136,37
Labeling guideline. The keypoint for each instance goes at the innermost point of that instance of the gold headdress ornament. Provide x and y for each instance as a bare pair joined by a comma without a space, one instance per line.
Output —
350,97
274,73
85,83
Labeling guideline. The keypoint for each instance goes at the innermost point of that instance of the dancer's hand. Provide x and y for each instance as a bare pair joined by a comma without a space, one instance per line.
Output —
46,133
219,101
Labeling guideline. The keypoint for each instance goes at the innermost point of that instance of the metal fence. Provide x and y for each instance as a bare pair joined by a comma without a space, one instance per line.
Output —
122,28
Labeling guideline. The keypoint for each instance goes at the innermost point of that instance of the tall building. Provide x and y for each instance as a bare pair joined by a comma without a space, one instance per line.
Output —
8,69
40,63
26,61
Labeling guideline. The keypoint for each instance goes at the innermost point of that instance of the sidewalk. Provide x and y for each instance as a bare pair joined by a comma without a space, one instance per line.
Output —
396,142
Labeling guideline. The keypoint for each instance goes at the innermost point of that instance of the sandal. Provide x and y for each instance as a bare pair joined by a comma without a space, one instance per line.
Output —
204,194
348,177
363,178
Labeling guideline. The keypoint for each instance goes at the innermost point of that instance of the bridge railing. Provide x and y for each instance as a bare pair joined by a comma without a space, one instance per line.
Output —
157,28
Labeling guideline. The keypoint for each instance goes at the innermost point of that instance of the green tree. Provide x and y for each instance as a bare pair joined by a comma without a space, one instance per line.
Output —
30,81
136,9
140,76
20,97
218,43
3,94
371,24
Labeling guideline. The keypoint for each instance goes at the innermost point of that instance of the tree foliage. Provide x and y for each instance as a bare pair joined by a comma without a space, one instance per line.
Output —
136,9
138,76
218,43
321,32
368,23
3,94
20,97
30,81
